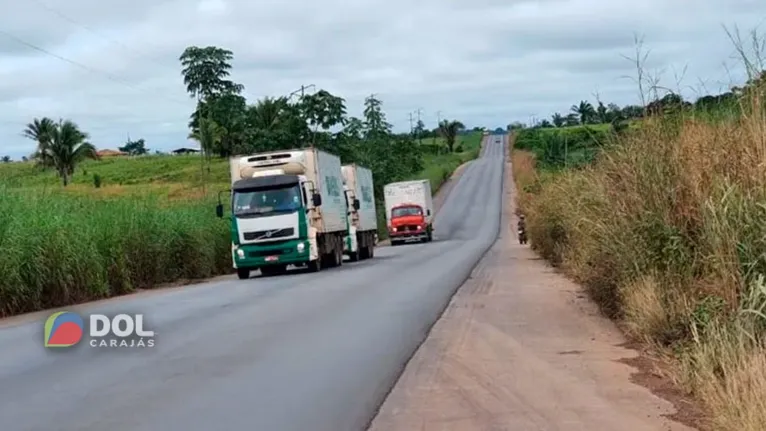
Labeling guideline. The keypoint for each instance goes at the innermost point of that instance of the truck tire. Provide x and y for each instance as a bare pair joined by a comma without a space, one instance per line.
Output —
355,256
339,252
315,265
243,273
430,236
370,251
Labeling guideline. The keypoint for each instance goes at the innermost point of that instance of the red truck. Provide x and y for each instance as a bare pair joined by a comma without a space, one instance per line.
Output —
409,211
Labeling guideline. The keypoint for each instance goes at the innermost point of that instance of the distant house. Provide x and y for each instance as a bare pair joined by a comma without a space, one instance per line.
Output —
185,151
111,153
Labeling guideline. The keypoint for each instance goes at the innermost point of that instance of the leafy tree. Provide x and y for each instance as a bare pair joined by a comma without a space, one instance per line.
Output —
206,71
420,128
571,120
6,159
134,148
449,131
557,119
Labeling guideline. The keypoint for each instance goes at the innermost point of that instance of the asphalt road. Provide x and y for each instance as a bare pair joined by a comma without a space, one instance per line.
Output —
295,352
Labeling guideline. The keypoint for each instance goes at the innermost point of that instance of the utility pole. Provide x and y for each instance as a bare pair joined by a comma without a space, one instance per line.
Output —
420,132
412,127
301,90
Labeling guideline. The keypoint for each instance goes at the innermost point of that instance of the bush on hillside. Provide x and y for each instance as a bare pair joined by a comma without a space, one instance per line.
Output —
570,147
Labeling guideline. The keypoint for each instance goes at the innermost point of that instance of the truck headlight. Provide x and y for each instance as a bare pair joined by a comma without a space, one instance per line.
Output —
240,253
300,247
393,229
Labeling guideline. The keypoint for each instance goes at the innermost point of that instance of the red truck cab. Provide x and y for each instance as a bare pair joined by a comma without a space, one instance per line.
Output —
408,221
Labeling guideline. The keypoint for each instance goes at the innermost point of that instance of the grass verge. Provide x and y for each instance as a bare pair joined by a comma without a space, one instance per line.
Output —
60,249
665,231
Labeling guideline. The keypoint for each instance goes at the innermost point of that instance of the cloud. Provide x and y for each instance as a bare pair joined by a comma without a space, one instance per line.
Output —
113,66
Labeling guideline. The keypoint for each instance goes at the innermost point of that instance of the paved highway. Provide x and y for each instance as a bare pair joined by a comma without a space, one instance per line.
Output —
296,352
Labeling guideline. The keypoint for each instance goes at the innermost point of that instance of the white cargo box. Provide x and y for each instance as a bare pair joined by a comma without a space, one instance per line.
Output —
416,192
358,179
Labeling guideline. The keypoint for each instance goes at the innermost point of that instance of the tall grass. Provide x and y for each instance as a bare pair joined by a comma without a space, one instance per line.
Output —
666,231
59,249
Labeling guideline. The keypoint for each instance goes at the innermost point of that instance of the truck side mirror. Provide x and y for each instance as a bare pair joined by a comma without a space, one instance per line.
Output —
316,199
356,204
428,212
219,210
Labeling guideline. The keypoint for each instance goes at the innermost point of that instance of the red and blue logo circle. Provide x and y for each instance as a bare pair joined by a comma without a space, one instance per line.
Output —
63,329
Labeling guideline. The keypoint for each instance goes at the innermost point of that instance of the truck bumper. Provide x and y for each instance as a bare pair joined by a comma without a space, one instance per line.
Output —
277,253
408,235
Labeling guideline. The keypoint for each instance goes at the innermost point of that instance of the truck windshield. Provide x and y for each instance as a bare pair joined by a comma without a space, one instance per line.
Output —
265,202
406,211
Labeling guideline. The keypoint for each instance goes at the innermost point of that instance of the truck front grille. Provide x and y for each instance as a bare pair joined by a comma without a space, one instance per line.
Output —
264,253
409,228
268,234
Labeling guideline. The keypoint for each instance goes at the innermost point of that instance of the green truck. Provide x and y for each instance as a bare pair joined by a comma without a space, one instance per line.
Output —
287,208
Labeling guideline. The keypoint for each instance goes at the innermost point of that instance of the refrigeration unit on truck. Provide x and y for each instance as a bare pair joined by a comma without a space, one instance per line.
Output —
409,211
288,208
362,216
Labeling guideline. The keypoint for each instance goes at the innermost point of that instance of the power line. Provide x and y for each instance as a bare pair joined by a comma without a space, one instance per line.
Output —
109,39
82,66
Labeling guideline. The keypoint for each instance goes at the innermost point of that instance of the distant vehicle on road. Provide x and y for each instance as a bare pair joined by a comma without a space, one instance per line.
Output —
409,211
276,218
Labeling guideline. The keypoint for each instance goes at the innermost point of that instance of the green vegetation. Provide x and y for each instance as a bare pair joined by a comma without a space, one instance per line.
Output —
665,230
75,226
61,250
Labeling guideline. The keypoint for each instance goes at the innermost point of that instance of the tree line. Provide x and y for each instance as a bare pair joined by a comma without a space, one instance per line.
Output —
224,123
586,113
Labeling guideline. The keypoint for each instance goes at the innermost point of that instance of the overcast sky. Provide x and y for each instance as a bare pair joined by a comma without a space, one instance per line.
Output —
485,62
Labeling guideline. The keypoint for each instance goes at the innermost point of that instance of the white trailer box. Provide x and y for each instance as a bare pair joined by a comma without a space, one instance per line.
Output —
358,180
416,192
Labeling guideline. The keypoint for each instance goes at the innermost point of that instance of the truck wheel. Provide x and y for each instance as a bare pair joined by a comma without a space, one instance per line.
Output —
430,236
315,265
243,273
370,251
339,253
354,257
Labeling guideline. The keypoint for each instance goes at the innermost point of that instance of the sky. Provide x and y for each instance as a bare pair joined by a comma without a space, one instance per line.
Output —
112,66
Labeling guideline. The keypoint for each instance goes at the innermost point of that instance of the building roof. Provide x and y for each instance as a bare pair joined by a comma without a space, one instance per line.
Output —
186,150
110,153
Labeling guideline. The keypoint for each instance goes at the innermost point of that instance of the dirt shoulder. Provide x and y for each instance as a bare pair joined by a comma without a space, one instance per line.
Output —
520,347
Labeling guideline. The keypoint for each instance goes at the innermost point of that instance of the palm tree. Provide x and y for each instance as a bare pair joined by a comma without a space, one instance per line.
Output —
66,147
449,131
558,119
585,110
267,113
41,131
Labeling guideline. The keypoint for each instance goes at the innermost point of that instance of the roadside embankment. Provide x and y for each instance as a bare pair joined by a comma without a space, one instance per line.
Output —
665,231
